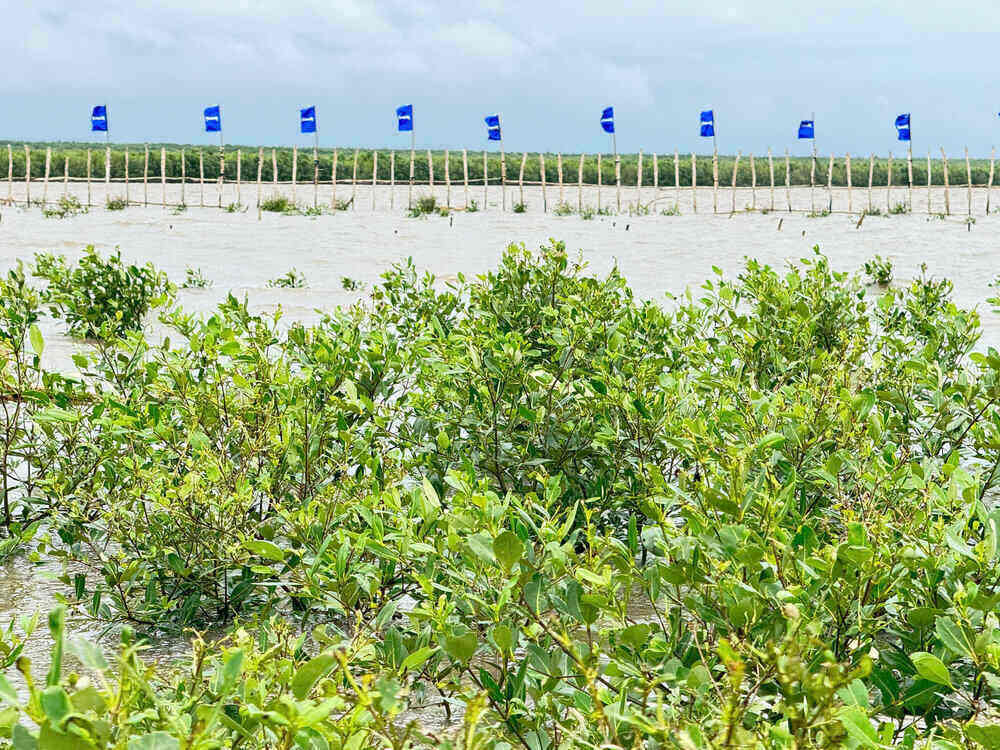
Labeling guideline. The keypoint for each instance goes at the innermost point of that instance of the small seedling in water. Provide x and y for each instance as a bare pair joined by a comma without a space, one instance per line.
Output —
291,280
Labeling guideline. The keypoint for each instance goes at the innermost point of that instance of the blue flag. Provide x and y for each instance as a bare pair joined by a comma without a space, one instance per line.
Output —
213,119
493,127
404,115
99,119
708,123
307,119
608,119
807,129
903,127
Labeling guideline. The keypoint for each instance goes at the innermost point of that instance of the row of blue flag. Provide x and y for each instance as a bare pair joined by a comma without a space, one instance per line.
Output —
404,117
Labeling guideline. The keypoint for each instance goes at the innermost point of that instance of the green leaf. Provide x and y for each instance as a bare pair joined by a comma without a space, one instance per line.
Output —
987,735
954,637
770,440
482,546
7,691
154,741
57,622
22,739
37,342
310,673
55,704
931,668
857,725
508,549
267,550
231,671
417,658
461,648
89,654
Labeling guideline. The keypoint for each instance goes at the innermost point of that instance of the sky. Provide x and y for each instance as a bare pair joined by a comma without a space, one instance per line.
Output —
547,67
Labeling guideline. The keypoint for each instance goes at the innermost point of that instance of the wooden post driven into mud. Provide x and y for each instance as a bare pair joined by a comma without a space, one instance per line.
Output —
545,197
333,181
447,180
163,175
465,175
10,174
829,185
677,180
600,179
239,176
694,183
201,178
183,175
638,184
929,182
909,179
753,184
66,178
559,171
354,181
888,185
128,198
579,185
45,183
260,172
145,178
27,177
968,179
392,179
989,184
89,202
486,181
295,172
736,169
770,169
871,175
788,180
374,176
947,188
520,176
715,182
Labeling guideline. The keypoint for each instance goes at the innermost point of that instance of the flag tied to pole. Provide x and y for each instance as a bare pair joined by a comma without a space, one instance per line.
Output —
99,119
708,123
903,127
213,119
608,119
493,127
404,115
807,129
307,119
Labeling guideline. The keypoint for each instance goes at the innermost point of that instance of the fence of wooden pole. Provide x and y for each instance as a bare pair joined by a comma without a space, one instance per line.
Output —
929,182
871,175
374,176
788,180
829,185
736,169
909,179
45,184
888,185
201,177
430,171
274,171
770,169
486,180
333,181
392,179
715,182
753,184
295,172
638,184
989,184
850,203
677,180
968,179
465,175
145,177
447,180
579,185
127,196
947,186
694,183
520,176
260,173
10,174
163,175
354,181
66,178
183,176
559,172
239,177
89,169
545,198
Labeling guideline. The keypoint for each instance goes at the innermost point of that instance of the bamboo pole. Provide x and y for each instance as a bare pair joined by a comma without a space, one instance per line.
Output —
89,169
736,169
850,200
274,171
392,179
295,172
333,180
812,180
183,175
430,171
239,177
715,181
128,198
947,188
788,180
163,175
677,180
618,176
503,178
315,172
968,179
559,171
66,177
545,199
600,179
871,174
145,178
374,176
465,175
753,184
694,183
447,180
520,176
260,172
48,166
770,169
222,169
989,185
638,184
486,180
829,185
354,181
656,177
888,185
579,186
413,155
201,177
10,174
107,173
909,178
27,177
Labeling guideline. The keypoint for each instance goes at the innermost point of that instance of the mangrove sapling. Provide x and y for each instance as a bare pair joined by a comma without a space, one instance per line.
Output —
293,279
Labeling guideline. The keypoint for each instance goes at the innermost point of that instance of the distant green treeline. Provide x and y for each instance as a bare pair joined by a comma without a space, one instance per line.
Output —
800,167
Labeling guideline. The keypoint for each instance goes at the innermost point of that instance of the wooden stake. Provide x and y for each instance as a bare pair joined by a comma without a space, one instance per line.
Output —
274,171
559,172
333,181
486,181
295,171
694,183
599,180
770,169
788,180
618,178
127,196
520,176
107,173
829,185
888,185
753,184
315,172
45,184
10,174
736,169
465,175
812,181
260,172
989,185
89,200
392,179
968,178
503,179
909,178
201,177
222,171
66,177
239,177
947,189
677,180
27,177
163,175
545,200
145,178
850,202
928,182
412,160
715,181
374,176
354,181
183,175
447,181
638,184
430,171
656,177
579,186
871,174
